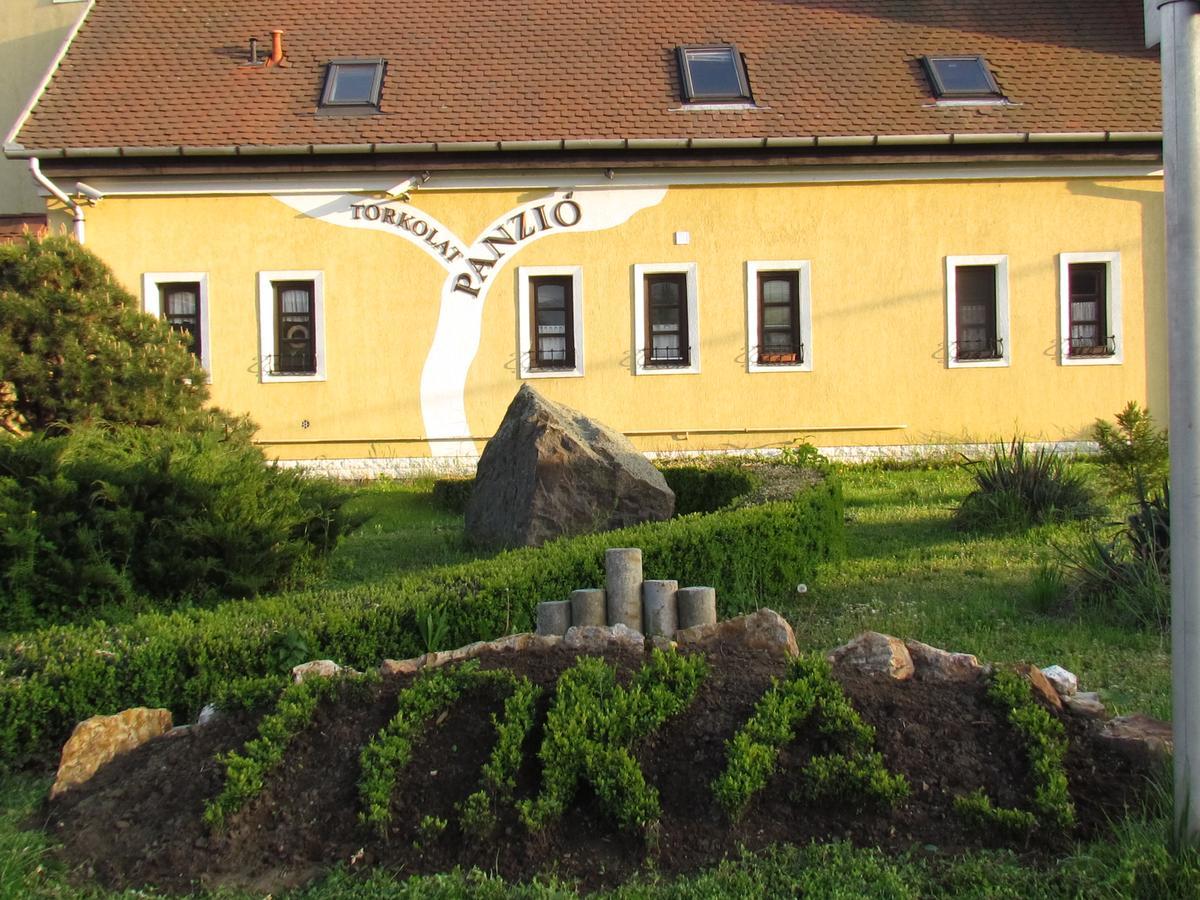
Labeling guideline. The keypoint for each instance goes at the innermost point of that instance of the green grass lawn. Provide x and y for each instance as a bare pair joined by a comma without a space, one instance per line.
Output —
908,573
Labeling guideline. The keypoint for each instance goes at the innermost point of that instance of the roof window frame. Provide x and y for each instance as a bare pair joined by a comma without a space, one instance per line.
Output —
331,67
746,95
940,91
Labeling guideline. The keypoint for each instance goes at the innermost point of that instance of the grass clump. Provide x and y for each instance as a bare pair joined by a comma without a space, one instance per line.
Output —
1019,488
1129,576
1046,746
390,750
478,811
591,728
808,693
246,771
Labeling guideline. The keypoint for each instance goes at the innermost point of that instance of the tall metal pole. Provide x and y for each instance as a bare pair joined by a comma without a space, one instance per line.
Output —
1181,147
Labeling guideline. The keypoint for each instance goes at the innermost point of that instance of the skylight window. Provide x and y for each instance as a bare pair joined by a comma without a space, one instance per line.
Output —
353,82
960,77
713,73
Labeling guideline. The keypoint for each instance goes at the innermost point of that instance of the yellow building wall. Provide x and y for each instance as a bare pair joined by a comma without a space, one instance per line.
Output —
31,32
877,253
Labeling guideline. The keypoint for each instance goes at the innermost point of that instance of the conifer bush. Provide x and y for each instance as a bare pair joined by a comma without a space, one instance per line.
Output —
112,518
75,347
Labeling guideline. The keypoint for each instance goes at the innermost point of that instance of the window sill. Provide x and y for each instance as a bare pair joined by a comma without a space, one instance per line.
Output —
552,373
265,378
692,368
805,366
1001,363
1109,359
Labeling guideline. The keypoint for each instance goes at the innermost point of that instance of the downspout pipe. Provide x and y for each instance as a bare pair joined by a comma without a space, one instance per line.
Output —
35,169
1180,24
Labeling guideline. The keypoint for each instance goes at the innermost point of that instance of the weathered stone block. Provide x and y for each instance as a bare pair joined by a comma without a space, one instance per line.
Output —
696,606
101,739
658,607
761,630
932,664
873,653
549,471
589,607
553,617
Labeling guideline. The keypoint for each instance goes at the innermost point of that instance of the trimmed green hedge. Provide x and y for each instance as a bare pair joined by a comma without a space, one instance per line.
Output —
51,679
697,488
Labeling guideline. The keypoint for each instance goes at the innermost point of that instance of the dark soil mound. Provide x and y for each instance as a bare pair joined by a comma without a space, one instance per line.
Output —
138,822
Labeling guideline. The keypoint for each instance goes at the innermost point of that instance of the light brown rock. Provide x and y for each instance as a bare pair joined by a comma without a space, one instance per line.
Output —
100,739
597,638
932,664
525,641
876,654
1139,738
1085,703
1042,688
317,668
762,630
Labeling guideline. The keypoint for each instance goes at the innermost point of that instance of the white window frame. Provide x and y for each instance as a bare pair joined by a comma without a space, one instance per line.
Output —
803,269
525,320
1000,261
266,322
1112,261
640,271
152,303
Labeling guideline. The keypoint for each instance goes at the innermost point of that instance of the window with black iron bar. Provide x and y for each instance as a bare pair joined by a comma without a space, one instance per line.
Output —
552,344
779,341
295,329
180,305
666,320
975,313
1088,311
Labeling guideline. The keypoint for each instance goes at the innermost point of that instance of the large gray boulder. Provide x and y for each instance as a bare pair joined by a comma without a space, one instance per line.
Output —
550,471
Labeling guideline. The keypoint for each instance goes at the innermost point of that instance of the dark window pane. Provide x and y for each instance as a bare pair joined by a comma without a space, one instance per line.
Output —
553,343
353,83
1088,310
666,320
295,329
180,304
975,312
713,73
778,318
962,76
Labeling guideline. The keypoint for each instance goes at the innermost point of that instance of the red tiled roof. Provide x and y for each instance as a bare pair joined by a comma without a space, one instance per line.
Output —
166,73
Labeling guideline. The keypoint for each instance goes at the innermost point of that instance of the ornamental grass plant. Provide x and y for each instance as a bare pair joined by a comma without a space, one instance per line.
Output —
1018,488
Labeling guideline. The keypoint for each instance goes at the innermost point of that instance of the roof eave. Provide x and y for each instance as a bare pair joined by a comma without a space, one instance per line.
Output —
17,151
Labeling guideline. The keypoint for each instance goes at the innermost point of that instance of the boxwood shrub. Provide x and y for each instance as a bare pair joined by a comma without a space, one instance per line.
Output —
51,679
697,488
95,519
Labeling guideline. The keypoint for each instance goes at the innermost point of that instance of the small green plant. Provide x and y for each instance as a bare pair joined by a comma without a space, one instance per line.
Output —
246,771
1018,488
478,811
289,650
429,829
803,455
1129,576
1134,452
809,693
977,808
1047,588
591,728
434,629
390,750
1046,747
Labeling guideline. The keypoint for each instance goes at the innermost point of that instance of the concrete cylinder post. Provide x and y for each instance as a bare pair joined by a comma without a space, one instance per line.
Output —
1180,24
697,606
554,617
588,607
623,586
658,607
